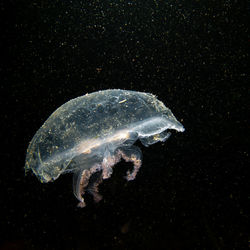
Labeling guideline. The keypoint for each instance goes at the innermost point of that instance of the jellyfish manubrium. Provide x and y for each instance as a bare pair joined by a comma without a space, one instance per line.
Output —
89,134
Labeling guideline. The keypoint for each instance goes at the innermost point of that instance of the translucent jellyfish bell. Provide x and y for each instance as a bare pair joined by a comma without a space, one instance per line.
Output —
92,133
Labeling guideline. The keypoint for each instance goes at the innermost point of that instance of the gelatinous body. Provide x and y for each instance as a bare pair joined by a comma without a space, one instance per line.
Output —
93,132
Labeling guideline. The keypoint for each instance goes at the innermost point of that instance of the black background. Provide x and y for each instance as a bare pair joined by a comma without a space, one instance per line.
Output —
192,191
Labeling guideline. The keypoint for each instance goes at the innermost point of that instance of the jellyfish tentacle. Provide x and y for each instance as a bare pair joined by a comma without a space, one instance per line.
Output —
107,164
93,188
81,182
131,154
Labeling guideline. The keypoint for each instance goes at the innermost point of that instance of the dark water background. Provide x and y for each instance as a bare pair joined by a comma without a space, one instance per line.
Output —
193,191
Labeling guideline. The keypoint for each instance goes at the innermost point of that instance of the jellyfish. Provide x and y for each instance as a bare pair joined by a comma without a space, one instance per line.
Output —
89,135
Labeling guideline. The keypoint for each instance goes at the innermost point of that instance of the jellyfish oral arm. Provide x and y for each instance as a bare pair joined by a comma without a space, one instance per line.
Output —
81,180
81,183
131,154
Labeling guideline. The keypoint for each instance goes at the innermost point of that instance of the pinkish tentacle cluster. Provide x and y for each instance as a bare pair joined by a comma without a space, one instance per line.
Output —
107,168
